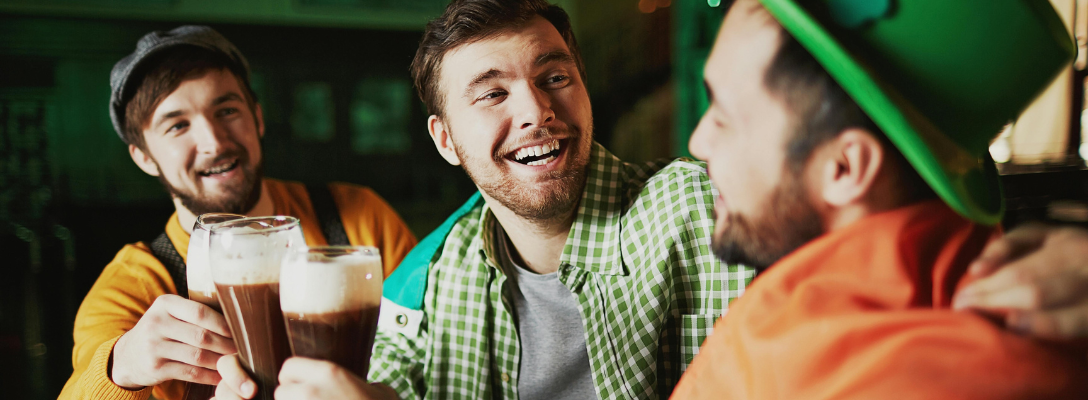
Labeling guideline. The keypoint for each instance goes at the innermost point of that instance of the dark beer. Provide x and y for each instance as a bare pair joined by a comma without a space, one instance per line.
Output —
203,298
256,322
330,298
345,338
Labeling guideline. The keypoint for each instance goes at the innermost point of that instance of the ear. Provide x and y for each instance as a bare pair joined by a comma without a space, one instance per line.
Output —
848,166
143,160
258,117
440,134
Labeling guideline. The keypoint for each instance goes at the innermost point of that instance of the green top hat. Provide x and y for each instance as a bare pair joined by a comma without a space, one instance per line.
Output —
939,77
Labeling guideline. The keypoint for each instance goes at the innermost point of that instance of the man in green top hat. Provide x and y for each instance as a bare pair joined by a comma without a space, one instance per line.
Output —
848,139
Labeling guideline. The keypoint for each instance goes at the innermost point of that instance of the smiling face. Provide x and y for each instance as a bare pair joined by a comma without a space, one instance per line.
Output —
763,210
517,118
203,144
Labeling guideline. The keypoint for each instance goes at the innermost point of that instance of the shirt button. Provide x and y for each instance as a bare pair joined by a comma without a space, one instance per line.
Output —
505,377
402,320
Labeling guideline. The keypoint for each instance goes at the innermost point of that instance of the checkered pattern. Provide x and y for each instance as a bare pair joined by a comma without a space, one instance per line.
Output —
638,260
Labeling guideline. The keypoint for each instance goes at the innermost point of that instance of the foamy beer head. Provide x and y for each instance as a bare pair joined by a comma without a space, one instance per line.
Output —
249,251
197,270
330,279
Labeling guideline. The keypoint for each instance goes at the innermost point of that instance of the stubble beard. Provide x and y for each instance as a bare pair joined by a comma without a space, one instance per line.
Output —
551,199
236,199
789,222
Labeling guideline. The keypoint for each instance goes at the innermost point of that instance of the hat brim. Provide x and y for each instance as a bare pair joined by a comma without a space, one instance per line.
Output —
968,183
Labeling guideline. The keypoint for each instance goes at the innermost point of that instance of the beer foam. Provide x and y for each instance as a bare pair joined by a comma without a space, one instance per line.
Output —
317,284
198,272
246,257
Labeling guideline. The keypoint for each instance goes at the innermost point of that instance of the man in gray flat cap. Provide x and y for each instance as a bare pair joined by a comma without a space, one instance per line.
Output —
183,104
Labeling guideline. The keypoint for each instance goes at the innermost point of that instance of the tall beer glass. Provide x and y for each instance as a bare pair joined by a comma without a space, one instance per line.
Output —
197,269
330,297
245,256
198,276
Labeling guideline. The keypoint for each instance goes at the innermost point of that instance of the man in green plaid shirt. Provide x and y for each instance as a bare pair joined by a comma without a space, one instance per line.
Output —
504,83
572,274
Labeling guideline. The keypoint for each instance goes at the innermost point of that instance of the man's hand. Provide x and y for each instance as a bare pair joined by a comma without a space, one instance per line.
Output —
236,384
306,378
177,339
300,378
1037,274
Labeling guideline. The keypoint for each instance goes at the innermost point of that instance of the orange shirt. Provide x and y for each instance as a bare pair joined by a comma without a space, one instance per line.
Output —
135,278
863,313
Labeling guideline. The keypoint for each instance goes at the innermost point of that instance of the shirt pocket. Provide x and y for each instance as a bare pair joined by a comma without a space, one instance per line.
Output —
694,328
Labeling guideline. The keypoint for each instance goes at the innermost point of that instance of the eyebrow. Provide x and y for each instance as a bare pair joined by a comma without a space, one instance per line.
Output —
164,117
554,56
480,79
225,98
177,113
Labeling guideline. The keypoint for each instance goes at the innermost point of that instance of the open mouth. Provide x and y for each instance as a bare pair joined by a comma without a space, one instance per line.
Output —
539,154
220,169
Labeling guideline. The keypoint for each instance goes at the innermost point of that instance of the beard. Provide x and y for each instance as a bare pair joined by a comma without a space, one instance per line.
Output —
553,196
786,224
237,198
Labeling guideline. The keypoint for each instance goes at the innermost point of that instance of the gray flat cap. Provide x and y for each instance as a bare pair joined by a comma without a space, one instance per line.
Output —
122,82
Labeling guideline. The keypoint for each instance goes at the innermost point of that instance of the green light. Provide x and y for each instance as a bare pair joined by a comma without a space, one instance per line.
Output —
714,3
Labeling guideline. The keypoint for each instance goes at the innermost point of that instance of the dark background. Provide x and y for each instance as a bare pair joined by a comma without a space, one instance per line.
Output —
332,78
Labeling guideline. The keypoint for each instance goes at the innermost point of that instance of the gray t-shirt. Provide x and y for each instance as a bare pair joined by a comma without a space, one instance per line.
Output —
554,360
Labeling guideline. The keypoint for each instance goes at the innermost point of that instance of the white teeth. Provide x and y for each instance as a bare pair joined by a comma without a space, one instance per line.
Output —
537,151
219,169
542,162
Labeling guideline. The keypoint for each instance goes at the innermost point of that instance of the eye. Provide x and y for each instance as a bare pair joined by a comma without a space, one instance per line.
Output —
557,81
494,94
227,111
178,126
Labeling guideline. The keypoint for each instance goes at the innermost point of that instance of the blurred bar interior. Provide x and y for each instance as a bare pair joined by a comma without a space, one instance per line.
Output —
332,78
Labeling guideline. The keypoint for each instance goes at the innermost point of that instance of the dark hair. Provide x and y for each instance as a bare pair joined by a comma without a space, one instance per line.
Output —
163,73
822,110
466,21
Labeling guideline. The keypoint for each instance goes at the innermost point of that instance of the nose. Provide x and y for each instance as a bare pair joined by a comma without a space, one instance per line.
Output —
699,145
533,109
210,137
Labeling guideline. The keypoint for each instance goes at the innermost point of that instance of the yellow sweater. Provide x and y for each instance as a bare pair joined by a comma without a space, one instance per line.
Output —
135,278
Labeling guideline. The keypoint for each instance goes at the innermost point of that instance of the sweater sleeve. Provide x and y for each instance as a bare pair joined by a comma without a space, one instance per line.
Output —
119,298
370,221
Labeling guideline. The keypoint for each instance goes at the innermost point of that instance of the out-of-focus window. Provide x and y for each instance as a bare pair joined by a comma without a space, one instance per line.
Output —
314,112
1041,135
380,116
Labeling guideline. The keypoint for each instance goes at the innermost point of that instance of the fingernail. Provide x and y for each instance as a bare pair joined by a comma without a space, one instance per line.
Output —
248,389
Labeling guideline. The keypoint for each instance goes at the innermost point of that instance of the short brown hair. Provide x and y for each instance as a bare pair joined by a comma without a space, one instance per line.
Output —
822,110
163,74
466,21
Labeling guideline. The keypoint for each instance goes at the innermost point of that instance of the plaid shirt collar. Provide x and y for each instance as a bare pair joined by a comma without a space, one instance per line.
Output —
594,238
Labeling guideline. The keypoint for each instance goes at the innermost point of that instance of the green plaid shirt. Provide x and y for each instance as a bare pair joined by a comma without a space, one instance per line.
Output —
638,260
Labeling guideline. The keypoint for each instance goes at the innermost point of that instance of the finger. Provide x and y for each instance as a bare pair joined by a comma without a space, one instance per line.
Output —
235,378
197,314
1030,283
193,335
223,392
1065,323
186,354
296,391
995,290
188,373
1012,246
301,369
